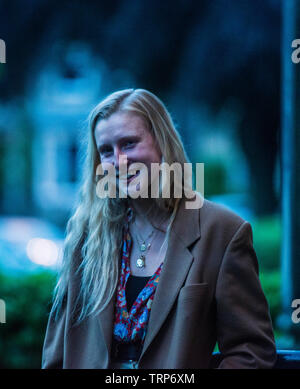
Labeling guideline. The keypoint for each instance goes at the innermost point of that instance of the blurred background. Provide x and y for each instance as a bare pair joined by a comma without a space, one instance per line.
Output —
224,71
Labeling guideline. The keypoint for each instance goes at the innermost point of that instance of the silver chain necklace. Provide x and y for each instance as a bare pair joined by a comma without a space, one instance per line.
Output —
143,247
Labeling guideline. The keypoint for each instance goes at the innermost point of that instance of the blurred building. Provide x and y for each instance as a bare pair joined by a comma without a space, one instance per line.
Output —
63,93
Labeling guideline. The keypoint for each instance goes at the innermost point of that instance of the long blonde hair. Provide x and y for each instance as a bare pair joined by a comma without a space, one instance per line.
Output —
94,231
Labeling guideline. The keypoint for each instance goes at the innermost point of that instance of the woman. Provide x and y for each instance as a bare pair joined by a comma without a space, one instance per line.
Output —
152,282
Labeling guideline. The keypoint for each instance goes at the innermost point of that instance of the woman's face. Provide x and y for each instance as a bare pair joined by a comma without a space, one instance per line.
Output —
126,134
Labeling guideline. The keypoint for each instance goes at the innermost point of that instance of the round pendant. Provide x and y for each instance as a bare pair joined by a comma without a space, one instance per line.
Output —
140,262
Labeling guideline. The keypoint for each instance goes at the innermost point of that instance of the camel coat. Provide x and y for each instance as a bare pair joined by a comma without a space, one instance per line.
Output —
208,292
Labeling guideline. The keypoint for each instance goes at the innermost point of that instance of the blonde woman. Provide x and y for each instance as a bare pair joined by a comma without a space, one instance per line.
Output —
151,282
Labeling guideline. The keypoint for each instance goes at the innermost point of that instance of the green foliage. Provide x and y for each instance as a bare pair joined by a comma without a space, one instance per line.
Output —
271,285
28,301
214,178
267,242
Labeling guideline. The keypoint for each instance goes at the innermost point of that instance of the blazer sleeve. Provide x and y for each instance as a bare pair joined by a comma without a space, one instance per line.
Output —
244,328
53,348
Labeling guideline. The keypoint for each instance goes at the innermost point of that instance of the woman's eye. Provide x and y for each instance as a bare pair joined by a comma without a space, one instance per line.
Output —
129,144
105,152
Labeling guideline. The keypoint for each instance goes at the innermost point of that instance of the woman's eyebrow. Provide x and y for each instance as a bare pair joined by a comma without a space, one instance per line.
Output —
129,137
120,140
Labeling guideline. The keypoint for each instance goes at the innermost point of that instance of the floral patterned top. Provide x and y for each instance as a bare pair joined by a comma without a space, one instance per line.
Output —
132,326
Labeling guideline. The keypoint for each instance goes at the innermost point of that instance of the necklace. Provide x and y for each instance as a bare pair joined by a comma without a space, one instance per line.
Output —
143,246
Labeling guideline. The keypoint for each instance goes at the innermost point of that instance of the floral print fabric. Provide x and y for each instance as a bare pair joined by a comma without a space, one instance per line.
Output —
132,326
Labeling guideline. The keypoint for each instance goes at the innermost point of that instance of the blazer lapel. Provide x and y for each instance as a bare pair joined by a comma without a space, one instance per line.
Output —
186,229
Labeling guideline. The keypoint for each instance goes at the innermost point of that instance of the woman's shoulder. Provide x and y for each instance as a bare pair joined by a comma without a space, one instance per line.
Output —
218,217
208,217
220,213
210,210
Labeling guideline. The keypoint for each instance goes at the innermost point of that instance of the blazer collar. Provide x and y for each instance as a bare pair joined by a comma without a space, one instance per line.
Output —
185,231
187,222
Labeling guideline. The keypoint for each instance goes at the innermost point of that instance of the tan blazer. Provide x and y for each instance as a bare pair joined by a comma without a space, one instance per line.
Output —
208,292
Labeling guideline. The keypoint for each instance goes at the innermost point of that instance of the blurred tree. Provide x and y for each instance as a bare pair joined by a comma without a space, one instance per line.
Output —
234,55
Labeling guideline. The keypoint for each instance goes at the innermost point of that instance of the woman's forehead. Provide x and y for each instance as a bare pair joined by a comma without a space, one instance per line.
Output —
121,123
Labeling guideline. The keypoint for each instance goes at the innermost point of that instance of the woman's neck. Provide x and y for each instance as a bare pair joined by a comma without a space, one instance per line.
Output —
147,209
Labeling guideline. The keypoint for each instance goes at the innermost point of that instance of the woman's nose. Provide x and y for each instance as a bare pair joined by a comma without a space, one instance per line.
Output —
115,158
119,159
